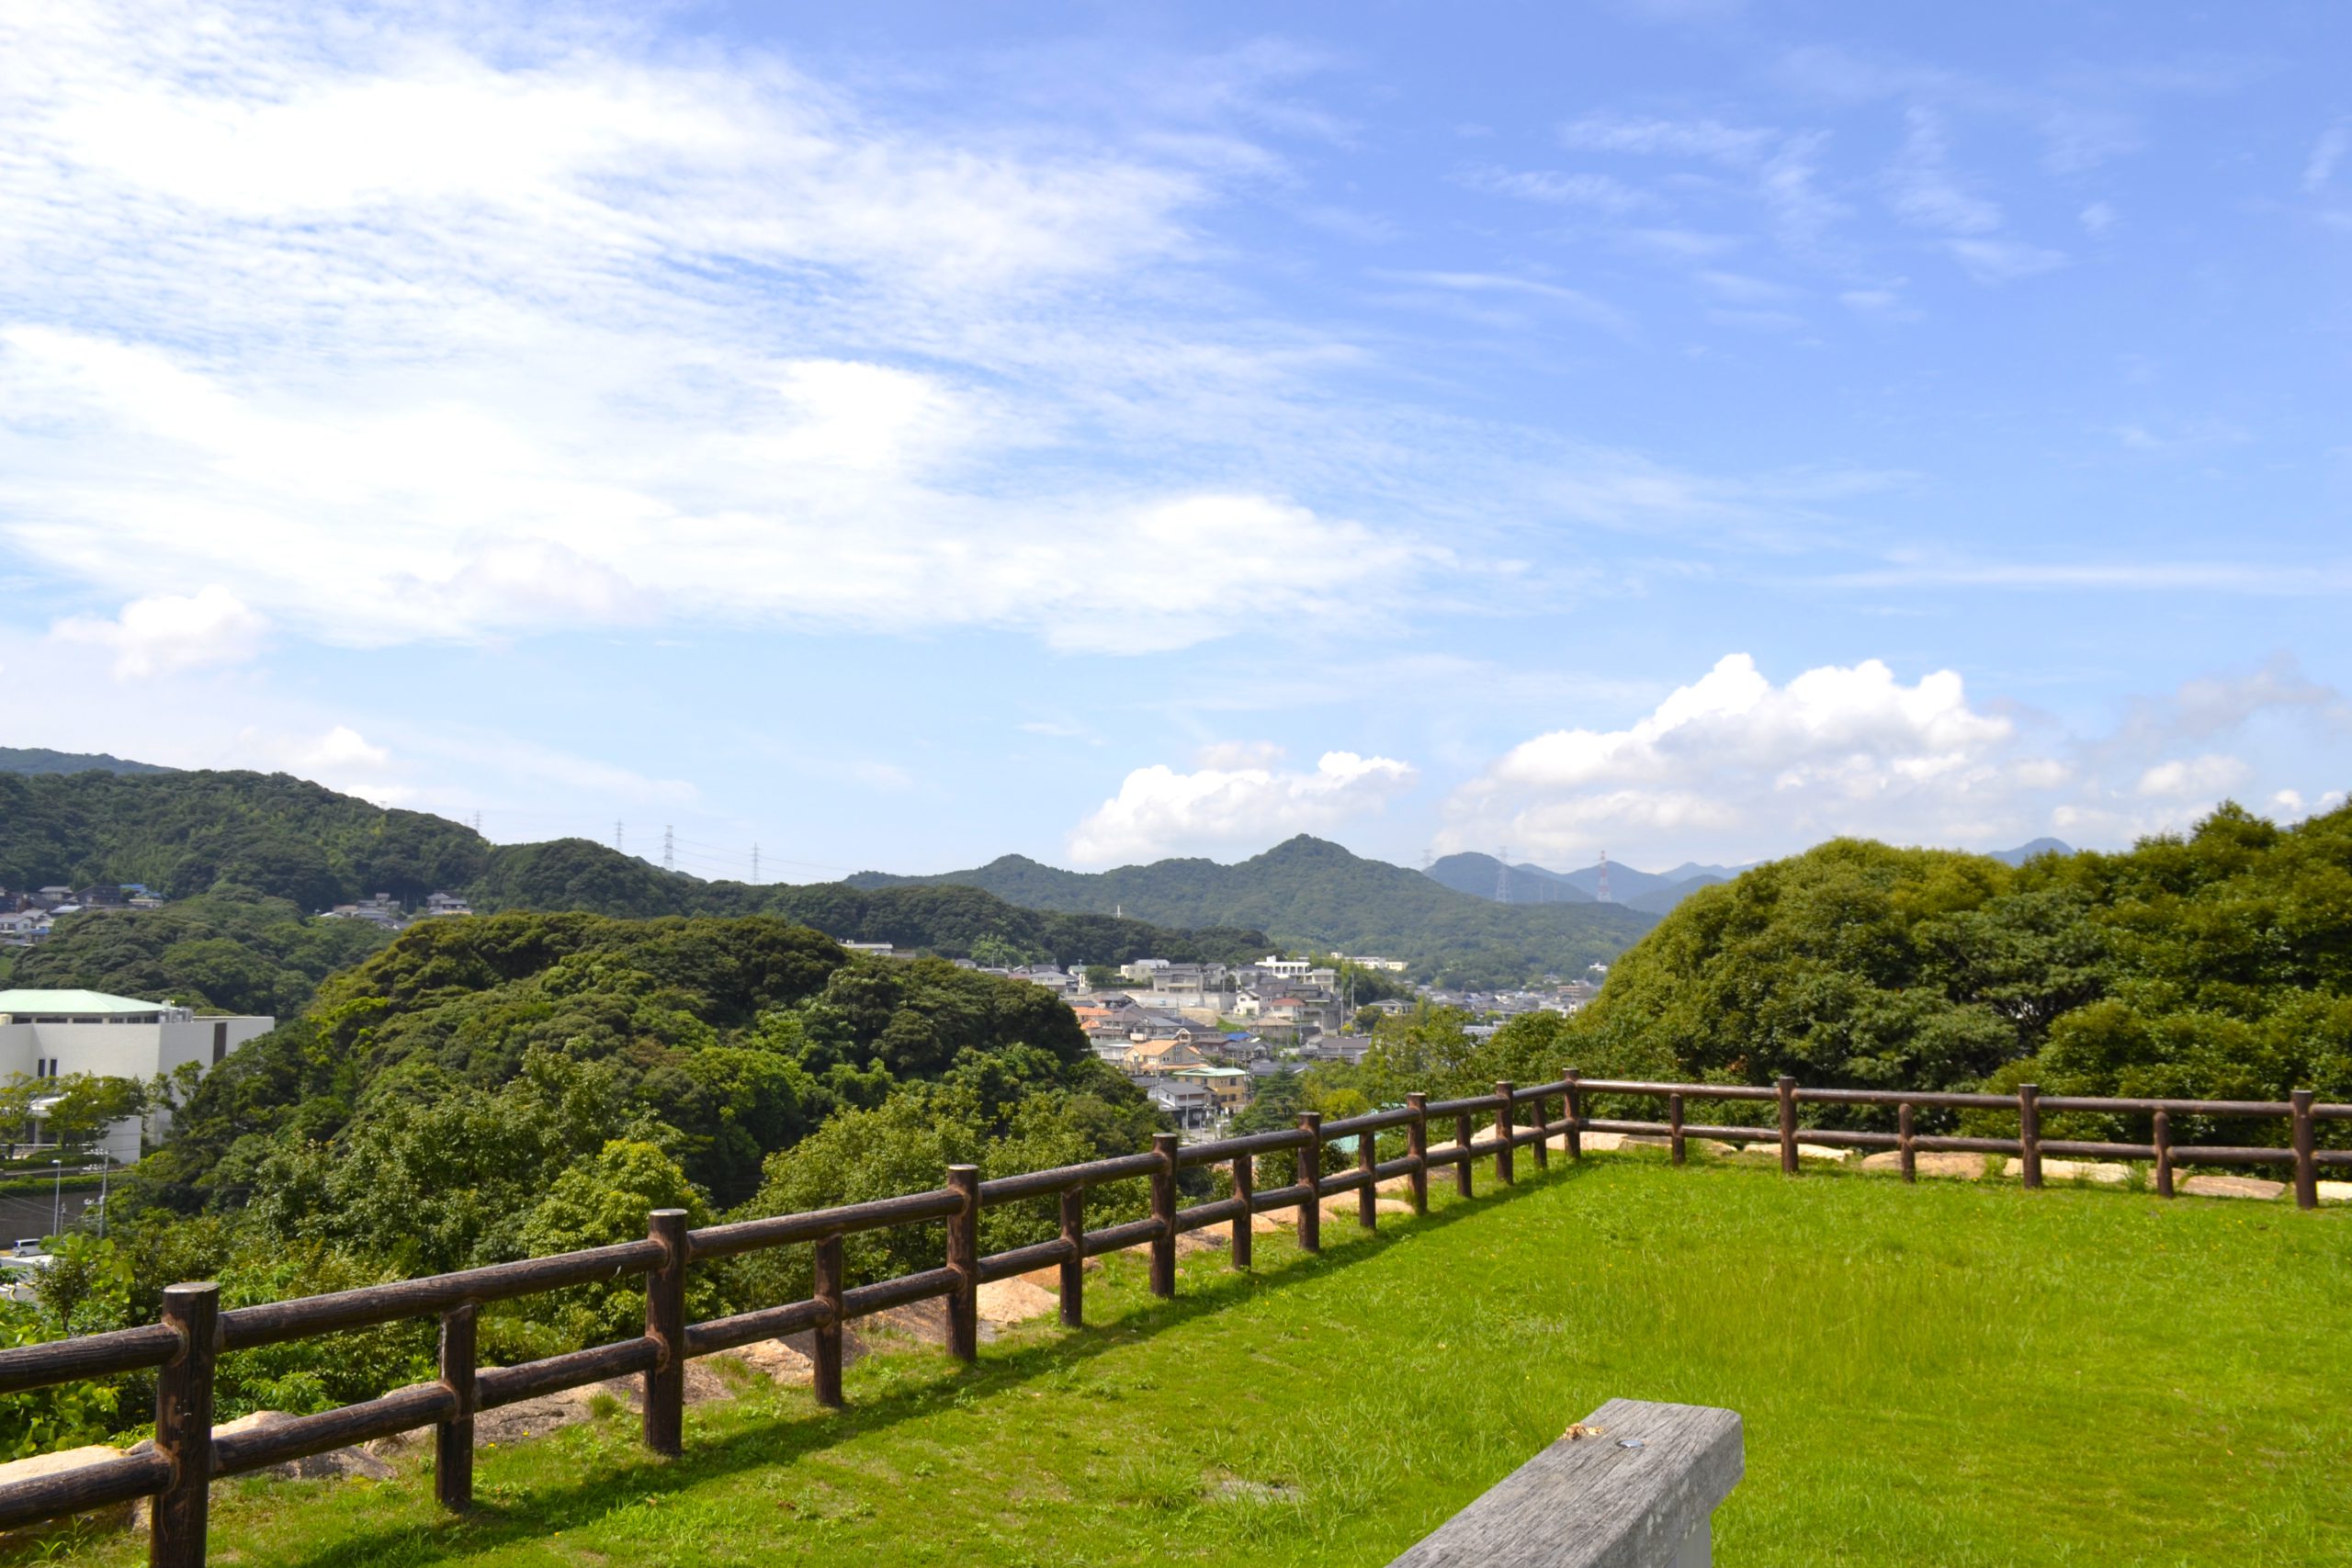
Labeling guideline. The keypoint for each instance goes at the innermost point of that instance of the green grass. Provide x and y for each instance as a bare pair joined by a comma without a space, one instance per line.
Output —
1948,1374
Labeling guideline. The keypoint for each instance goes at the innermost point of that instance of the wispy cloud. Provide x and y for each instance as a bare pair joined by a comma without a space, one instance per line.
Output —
1598,192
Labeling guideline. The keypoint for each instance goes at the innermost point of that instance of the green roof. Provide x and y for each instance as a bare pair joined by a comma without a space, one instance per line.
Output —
72,1002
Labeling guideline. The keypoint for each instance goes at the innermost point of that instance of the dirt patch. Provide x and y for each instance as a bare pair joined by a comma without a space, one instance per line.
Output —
1949,1164
2232,1187
1016,1300
2104,1173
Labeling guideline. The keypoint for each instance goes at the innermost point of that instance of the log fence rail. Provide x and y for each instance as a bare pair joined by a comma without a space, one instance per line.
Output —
187,1454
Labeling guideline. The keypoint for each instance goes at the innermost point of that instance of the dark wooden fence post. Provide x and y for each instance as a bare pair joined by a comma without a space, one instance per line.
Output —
2163,1154
1788,1088
1461,1142
1310,1176
2029,1133
1674,1126
453,1441
1504,1170
665,1324
1903,1141
1245,1187
826,1286
183,1426
2306,1153
1542,1145
1416,1144
1368,1201
1074,1261
964,1260
1163,1209
1576,1118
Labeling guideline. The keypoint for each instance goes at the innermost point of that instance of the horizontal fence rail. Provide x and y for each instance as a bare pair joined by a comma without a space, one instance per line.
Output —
182,1350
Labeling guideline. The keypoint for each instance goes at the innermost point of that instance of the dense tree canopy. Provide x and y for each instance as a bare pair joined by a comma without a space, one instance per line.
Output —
230,949
2214,965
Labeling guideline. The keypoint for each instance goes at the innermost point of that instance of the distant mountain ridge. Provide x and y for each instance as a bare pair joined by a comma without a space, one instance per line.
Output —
1313,893
1654,893
41,760
271,836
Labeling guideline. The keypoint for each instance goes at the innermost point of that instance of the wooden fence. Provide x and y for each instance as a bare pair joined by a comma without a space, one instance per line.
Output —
187,1454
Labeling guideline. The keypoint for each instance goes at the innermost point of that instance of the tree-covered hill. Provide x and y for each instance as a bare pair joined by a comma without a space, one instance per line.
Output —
231,950
298,847
2217,964
41,760
1314,892
181,833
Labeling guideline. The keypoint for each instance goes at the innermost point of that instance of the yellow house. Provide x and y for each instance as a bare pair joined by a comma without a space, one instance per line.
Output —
1229,1086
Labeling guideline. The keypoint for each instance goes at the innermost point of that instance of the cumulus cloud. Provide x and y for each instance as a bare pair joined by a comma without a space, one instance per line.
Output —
2193,778
588,301
168,631
1734,762
1236,798
1734,767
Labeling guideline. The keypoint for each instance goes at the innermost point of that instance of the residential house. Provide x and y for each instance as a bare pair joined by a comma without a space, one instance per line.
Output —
447,903
1161,1055
1228,1086
1189,1105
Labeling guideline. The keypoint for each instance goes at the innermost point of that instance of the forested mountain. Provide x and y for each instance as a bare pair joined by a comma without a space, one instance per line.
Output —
1313,893
231,950
1481,876
180,833
266,849
41,760
2214,966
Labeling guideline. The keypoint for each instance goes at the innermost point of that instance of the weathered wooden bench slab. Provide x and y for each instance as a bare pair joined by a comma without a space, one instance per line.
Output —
1637,1493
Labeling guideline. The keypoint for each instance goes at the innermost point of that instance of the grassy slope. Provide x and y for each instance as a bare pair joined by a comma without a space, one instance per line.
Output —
1948,1374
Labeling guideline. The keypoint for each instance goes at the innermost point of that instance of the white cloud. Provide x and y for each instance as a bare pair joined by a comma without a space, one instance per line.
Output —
1734,761
2327,153
1599,192
1707,139
493,335
1160,811
344,747
2190,778
2004,261
169,631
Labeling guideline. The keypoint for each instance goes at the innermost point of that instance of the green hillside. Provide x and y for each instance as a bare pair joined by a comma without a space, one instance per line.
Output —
287,841
1314,892
181,833
41,760
230,951
2217,964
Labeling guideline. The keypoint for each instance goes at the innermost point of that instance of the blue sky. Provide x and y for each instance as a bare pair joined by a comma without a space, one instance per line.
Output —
897,434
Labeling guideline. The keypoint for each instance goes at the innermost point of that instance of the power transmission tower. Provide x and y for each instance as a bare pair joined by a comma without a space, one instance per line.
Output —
477,824
620,843
668,849
755,866
1601,888
1503,874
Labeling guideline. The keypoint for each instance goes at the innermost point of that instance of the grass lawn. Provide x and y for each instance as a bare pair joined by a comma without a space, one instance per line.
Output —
1947,1374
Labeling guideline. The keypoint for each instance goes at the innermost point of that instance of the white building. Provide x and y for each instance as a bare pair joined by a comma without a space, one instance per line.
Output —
55,1034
